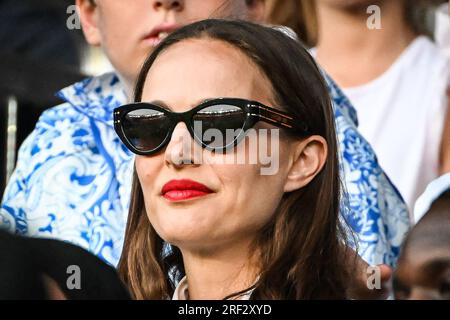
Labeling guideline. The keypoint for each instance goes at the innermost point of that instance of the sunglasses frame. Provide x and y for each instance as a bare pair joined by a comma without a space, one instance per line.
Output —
254,112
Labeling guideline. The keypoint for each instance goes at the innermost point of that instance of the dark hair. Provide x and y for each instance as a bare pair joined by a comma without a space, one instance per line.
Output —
302,245
26,262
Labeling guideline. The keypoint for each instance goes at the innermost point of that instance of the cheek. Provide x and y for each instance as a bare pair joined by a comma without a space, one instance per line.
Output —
249,197
147,169
259,162
123,50
125,56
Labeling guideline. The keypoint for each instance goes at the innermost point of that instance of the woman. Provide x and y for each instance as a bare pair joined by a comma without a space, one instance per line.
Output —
234,233
73,175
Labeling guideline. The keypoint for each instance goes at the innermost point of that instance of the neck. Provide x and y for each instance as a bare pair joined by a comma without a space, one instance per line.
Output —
346,43
215,274
127,85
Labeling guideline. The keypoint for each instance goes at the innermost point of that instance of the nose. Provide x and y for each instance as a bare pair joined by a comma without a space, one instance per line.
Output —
167,5
182,149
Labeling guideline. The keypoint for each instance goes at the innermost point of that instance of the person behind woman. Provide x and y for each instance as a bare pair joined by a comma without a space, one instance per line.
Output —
234,232
397,80
423,271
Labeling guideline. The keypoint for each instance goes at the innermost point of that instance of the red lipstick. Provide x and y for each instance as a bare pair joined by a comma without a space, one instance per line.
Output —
179,190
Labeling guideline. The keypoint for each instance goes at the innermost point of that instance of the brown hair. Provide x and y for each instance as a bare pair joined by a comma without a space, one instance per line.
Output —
302,252
299,15
417,15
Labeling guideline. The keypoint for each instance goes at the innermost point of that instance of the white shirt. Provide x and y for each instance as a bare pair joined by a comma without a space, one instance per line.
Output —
434,190
181,291
402,114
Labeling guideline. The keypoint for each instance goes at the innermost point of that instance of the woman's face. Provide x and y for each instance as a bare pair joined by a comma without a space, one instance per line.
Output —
239,199
129,30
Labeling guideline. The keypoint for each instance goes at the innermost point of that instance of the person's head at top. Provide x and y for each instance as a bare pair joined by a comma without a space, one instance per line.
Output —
230,227
423,271
128,31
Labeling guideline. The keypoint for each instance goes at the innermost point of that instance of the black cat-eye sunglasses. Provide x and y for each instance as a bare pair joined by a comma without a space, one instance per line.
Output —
146,128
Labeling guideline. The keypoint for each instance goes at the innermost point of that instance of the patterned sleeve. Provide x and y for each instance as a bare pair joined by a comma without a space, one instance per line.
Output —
43,147
372,206
13,207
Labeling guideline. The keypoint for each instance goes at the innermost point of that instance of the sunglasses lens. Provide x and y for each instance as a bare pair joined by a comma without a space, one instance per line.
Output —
218,126
145,129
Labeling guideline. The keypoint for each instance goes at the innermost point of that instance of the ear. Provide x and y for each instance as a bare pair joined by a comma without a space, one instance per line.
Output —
88,12
257,10
308,158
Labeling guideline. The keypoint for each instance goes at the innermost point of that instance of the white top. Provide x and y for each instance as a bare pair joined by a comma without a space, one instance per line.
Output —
433,191
181,291
402,114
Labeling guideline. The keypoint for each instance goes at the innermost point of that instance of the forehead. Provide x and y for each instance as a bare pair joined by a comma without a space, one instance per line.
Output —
198,69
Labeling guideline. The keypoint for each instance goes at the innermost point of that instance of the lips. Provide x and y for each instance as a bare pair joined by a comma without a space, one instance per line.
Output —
158,33
179,190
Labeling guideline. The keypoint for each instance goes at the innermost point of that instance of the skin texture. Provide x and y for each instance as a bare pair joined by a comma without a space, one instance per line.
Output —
215,232
345,43
120,27
54,292
424,274
423,271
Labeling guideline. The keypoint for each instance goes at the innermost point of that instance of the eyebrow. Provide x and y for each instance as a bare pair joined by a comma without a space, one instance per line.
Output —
161,104
164,105
433,270
436,266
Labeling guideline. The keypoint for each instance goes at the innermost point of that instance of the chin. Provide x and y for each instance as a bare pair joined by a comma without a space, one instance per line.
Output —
179,232
196,241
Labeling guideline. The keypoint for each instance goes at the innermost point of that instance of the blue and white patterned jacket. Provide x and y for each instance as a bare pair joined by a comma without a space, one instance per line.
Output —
73,178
